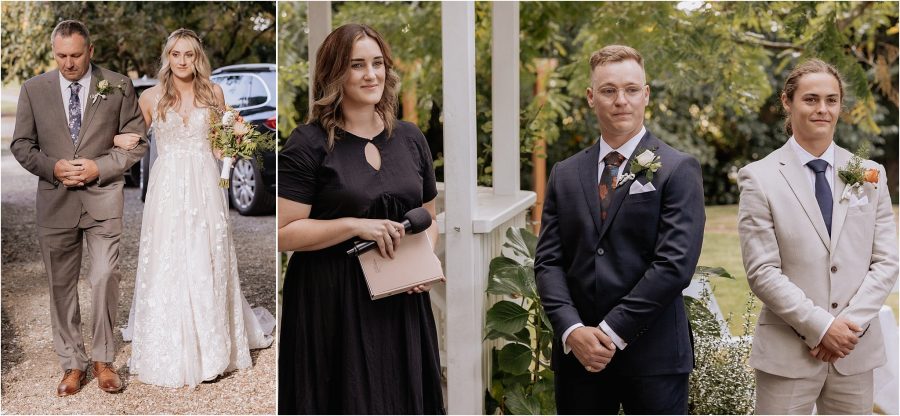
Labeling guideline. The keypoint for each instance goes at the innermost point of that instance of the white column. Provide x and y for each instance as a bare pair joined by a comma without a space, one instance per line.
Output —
318,18
465,284
505,96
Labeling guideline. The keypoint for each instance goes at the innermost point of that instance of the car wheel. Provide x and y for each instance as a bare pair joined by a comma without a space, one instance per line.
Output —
247,192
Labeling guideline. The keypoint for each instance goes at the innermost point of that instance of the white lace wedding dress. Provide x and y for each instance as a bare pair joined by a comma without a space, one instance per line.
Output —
189,321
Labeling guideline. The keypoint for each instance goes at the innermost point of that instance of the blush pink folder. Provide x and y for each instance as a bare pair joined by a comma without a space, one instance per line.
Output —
414,263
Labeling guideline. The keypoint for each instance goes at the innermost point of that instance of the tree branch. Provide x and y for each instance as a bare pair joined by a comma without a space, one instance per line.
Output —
858,11
752,38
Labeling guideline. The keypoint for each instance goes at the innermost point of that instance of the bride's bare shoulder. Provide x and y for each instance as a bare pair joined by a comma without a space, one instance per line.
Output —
150,94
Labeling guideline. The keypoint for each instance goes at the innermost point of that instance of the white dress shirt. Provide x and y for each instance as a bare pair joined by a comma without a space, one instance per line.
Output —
804,157
626,150
64,84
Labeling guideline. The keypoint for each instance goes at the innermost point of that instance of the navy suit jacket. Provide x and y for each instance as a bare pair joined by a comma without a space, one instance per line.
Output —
629,270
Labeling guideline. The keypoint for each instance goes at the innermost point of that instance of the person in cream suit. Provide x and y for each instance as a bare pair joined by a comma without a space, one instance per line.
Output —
821,258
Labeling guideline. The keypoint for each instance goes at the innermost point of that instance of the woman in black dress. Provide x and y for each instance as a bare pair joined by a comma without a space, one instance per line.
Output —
351,173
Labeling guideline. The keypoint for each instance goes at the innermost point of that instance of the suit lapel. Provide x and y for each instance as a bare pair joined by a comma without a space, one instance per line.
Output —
57,110
91,105
798,181
620,192
839,210
587,173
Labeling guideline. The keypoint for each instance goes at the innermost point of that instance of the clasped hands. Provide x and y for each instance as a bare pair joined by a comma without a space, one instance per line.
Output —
839,340
76,172
592,347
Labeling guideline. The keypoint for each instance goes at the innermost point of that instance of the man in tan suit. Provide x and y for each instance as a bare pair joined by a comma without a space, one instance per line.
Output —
821,260
65,123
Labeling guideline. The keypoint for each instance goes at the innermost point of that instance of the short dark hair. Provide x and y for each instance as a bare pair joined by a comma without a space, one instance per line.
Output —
68,28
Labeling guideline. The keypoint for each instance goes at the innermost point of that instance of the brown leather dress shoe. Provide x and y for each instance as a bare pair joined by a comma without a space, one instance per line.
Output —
71,382
107,378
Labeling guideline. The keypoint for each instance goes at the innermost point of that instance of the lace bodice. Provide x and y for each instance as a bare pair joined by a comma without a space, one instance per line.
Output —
175,135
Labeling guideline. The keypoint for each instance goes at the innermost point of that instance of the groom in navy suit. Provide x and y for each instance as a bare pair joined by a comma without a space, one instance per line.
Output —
620,238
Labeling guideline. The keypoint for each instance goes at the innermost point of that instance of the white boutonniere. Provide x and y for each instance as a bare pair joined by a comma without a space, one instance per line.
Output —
104,89
854,175
647,161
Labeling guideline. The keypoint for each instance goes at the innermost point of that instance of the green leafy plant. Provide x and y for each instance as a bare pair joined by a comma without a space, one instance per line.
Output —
522,382
722,381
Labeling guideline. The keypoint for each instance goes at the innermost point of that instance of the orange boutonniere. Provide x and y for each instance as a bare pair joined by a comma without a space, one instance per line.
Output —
854,175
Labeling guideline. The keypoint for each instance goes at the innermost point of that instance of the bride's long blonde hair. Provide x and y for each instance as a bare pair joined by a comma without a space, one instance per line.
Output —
203,87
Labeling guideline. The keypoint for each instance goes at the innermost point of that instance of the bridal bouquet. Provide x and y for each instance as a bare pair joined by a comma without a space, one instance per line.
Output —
235,138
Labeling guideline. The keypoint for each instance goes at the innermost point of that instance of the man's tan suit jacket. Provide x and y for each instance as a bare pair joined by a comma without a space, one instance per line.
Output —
803,276
41,138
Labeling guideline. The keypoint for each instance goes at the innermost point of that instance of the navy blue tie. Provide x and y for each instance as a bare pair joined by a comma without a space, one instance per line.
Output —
823,191
74,112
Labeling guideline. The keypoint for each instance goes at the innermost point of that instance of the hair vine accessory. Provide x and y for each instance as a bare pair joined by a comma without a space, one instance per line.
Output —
185,32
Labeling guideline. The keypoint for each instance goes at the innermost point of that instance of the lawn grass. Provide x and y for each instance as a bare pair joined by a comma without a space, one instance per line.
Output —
721,247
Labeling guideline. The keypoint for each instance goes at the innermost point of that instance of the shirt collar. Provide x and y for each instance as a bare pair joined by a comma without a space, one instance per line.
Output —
85,79
625,149
804,157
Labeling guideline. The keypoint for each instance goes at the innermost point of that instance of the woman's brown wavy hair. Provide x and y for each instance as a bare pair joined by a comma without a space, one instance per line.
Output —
333,68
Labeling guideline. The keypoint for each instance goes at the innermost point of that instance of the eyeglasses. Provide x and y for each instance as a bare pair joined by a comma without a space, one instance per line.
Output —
611,93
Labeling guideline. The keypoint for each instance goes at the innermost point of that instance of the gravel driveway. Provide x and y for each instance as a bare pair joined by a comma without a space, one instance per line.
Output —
30,370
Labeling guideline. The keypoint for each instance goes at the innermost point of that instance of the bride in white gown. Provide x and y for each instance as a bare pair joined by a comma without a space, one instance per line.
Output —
189,321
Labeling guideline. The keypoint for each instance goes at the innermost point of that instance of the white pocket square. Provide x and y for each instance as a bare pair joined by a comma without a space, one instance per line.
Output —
858,202
637,188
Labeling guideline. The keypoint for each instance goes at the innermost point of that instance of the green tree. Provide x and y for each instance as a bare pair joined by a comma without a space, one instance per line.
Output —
715,69
129,36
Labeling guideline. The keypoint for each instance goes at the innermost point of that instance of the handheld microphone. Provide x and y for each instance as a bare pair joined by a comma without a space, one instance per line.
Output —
414,221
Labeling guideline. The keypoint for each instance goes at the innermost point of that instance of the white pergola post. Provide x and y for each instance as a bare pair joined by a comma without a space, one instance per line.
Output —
465,285
505,97
318,18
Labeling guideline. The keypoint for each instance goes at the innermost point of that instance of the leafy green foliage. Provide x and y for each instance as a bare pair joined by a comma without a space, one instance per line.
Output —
715,73
522,382
722,381
128,36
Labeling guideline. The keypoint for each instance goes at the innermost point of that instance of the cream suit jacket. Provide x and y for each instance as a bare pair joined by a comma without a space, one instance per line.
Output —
803,276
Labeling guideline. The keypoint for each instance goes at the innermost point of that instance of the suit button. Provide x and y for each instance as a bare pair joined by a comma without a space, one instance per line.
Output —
834,269
600,251
834,305
802,337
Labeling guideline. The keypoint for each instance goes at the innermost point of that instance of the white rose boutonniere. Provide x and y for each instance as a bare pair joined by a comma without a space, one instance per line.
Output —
647,161
104,89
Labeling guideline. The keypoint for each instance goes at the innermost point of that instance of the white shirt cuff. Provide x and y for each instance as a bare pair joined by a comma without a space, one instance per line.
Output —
565,335
615,338
822,335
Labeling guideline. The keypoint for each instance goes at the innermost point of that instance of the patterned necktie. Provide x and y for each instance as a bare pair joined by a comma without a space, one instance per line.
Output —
74,112
823,191
608,180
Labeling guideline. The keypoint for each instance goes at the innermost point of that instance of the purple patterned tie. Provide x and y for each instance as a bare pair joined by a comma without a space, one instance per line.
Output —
608,180
74,112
